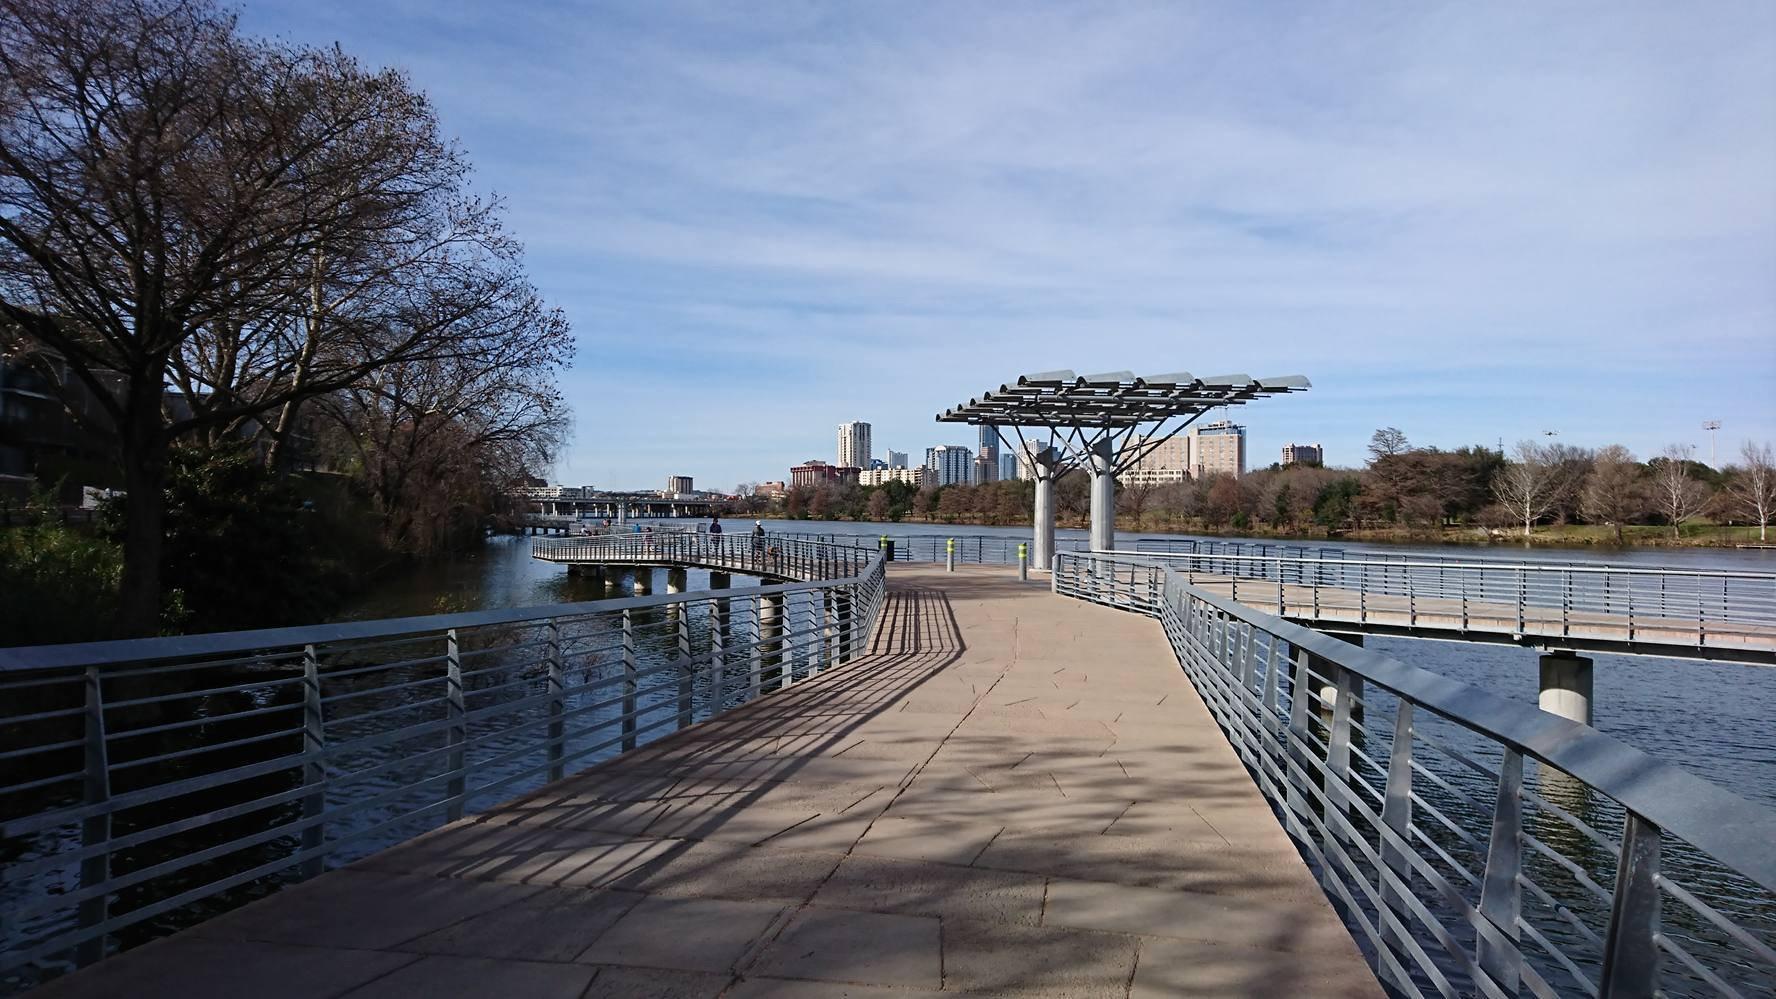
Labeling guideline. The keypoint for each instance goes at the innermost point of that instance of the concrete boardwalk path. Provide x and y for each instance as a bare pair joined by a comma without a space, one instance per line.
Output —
1012,793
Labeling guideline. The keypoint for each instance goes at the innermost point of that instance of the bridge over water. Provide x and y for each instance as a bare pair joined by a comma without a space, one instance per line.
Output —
866,779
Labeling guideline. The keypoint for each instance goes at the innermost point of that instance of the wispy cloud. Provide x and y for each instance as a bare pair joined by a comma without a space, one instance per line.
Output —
1469,222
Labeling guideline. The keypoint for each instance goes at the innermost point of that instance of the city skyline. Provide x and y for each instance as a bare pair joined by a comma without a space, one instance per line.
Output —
1465,225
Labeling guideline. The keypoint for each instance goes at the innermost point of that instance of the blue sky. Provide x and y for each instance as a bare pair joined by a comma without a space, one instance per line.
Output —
1471,222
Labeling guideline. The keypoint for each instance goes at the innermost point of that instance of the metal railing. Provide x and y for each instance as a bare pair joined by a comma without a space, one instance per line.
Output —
782,556
150,783
1475,845
1728,612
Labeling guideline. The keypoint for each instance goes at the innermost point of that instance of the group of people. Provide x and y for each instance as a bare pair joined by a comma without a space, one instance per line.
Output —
758,532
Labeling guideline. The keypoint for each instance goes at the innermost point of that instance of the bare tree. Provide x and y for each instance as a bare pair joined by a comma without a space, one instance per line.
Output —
1613,493
1386,443
1133,499
249,223
1754,492
434,435
1677,496
1528,485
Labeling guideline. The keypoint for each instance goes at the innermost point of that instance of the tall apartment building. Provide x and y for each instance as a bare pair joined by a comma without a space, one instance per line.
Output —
676,484
1303,454
986,460
854,445
1167,462
953,463
897,459
1218,448
1008,467
915,477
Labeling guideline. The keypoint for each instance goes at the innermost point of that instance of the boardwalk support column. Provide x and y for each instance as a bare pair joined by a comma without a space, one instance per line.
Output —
770,637
677,580
644,581
1566,686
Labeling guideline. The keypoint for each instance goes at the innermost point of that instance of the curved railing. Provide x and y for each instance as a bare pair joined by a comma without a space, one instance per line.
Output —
773,555
148,784
1475,845
1727,613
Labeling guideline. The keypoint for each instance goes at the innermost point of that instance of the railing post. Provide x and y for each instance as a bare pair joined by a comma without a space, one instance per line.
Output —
718,660
756,663
96,869
629,682
455,709
1296,748
1395,874
557,704
1500,894
1566,589
1630,953
1337,766
1520,600
314,765
687,670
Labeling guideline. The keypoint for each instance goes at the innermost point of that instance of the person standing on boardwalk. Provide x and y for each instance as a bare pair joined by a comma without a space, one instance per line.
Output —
715,532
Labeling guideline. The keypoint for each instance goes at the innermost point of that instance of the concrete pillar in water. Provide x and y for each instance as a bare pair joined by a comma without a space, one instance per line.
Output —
644,581
721,581
1047,467
676,580
1101,461
770,611
1566,686
1329,692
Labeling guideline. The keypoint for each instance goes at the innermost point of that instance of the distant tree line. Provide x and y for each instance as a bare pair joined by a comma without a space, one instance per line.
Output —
1401,488
240,246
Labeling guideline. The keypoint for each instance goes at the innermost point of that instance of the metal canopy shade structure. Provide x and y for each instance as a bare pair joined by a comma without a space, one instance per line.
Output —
1092,419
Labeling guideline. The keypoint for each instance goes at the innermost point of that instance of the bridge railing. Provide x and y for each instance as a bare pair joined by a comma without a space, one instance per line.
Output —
146,784
1475,845
785,556
1706,608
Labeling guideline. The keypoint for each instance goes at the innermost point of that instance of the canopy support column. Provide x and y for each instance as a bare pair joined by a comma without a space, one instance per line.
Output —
1102,465
1046,467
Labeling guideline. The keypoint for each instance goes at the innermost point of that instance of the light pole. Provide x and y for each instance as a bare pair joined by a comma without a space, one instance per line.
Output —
1711,426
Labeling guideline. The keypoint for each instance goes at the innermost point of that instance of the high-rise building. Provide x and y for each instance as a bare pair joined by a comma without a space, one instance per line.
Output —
1008,467
1303,454
1218,448
676,484
1165,462
986,469
897,459
953,463
854,445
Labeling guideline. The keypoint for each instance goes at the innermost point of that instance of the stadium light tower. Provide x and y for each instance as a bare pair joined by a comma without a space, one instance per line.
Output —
1711,426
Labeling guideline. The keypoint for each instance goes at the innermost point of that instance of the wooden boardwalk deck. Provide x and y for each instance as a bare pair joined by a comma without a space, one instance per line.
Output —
1012,794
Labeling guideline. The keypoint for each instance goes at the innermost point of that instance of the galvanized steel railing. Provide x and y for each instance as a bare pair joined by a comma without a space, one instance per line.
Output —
776,555
149,783
1476,846
1722,612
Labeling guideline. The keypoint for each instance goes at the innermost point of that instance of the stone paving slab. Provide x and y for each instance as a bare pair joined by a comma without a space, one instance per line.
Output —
1010,794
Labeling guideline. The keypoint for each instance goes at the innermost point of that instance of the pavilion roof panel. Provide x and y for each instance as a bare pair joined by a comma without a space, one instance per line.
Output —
1115,399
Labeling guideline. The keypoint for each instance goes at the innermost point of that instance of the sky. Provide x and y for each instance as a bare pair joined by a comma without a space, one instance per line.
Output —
1473,222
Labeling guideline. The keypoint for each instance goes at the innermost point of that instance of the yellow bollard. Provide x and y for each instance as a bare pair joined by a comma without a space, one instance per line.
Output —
1023,560
950,554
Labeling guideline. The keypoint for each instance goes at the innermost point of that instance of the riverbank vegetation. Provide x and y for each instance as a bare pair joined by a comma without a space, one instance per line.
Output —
1540,493
258,277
